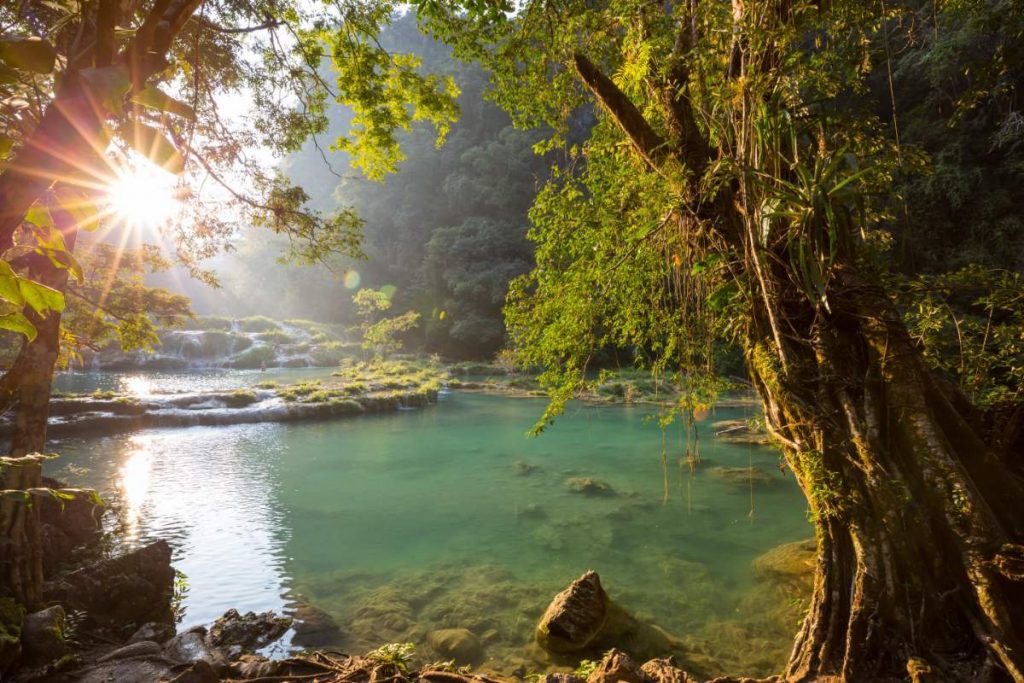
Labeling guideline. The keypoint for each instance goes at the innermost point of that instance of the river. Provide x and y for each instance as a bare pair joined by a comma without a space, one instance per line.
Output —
451,516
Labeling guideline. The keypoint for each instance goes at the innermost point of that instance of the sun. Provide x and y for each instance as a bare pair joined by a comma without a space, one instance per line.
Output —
143,197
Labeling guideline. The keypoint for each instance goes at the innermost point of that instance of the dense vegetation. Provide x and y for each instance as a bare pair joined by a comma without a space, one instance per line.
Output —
445,233
832,188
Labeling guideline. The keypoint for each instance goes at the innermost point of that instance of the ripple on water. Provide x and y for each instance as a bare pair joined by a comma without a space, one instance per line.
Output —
400,524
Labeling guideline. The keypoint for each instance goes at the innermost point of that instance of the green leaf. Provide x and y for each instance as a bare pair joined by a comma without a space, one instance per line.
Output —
108,86
151,143
16,322
9,290
63,259
40,297
157,99
32,54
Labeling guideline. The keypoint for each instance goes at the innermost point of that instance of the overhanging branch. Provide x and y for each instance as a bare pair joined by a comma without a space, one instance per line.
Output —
648,144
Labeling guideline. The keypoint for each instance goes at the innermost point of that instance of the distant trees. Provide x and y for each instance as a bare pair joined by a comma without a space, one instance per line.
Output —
380,334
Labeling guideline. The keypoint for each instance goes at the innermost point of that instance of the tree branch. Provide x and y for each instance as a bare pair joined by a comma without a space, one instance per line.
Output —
648,144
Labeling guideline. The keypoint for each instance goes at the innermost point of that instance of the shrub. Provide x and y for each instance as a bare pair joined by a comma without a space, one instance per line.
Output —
207,322
275,337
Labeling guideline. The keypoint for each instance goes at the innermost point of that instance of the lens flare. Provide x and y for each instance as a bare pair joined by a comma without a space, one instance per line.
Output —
143,197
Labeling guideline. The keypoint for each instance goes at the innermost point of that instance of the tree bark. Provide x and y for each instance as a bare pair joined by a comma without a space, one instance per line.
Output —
919,523
21,560
914,513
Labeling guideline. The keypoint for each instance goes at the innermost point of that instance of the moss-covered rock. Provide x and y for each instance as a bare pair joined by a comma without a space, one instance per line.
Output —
11,616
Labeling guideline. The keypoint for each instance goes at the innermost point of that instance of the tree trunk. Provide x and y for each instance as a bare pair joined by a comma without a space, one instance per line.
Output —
21,560
918,522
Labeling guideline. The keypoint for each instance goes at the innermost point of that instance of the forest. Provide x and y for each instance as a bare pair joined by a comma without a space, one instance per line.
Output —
368,327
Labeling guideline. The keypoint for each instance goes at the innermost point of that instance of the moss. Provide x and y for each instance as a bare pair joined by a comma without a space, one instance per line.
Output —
239,398
255,357
275,337
269,384
11,617
258,323
207,322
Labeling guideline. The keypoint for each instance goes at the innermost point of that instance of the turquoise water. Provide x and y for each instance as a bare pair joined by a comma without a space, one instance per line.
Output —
450,516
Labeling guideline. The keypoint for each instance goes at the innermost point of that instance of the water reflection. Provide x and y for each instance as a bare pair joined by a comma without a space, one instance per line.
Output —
133,482
137,386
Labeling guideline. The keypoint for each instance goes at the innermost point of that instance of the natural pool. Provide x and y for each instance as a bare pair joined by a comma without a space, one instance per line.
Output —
451,517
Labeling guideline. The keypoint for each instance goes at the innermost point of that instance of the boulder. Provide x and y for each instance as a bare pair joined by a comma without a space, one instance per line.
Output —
588,486
135,670
313,627
122,591
575,617
11,617
42,636
154,631
615,667
459,644
249,631
665,671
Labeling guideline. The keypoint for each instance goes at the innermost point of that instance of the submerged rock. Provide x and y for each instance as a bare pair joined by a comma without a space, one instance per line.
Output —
314,627
523,468
459,644
588,486
743,476
575,617
249,631
789,561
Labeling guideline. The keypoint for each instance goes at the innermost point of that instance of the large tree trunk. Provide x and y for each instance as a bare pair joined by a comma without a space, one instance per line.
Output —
918,522
31,377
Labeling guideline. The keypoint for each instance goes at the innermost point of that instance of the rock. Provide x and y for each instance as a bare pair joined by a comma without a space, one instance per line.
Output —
199,672
155,631
665,671
459,644
788,562
130,589
313,627
65,525
615,667
588,486
524,469
137,670
42,635
192,646
575,617
137,649
250,631
560,678
11,617
743,476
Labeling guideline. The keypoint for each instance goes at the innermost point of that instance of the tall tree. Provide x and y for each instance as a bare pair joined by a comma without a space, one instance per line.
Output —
738,186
